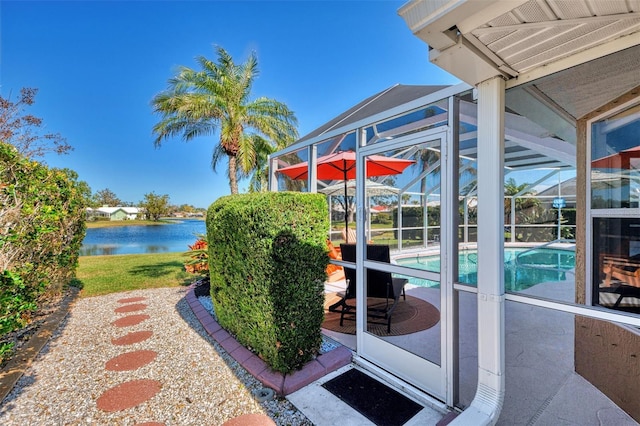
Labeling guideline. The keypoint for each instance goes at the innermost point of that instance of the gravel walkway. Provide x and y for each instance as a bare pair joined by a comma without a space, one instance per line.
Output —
200,383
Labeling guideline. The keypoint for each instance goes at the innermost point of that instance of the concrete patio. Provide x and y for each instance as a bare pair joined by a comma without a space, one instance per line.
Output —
541,385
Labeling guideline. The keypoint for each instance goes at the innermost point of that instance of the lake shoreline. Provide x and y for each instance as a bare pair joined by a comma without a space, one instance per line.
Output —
133,237
119,223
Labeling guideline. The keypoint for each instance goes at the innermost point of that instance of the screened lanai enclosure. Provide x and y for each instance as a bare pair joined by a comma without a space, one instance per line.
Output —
404,210
515,229
427,215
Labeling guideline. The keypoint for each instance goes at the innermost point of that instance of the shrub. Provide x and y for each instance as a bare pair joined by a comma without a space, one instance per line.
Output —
198,257
42,224
382,218
16,302
267,265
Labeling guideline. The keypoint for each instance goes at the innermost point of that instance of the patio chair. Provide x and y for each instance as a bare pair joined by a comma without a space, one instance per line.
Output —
622,276
626,271
334,272
352,235
380,284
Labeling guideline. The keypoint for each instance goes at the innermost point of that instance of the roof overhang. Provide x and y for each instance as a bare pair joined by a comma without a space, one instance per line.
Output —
476,40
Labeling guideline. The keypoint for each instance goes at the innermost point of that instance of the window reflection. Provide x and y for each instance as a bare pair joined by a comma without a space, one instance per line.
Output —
615,161
616,269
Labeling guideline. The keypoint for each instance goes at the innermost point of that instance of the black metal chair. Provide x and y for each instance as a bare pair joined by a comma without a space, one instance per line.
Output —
380,284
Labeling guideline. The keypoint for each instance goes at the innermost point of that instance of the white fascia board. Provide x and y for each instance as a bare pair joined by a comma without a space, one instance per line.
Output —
431,20
465,62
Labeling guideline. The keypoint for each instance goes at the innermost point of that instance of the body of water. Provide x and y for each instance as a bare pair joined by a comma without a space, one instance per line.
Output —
163,238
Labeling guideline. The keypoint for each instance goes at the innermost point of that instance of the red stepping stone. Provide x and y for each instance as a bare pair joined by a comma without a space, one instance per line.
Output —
130,320
131,308
130,360
250,420
132,337
132,299
128,394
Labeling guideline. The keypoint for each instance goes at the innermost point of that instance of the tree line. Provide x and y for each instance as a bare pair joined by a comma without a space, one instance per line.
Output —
153,205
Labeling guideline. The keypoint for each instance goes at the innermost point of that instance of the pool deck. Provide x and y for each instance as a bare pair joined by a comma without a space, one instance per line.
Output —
542,387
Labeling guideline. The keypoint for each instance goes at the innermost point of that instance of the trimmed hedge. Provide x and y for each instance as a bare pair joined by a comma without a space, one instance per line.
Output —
267,265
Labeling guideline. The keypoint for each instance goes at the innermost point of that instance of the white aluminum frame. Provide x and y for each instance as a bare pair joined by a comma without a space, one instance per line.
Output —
420,372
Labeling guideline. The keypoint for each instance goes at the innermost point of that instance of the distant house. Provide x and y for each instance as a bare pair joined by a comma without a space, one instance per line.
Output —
114,213
380,209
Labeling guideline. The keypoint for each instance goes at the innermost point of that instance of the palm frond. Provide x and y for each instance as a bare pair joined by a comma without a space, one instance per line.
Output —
217,155
216,98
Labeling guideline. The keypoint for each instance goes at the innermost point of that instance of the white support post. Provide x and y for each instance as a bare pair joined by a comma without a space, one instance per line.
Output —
399,222
513,219
361,242
449,219
273,179
559,206
312,177
487,403
425,220
466,219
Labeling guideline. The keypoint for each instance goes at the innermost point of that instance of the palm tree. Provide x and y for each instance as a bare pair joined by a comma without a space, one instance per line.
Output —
216,98
511,188
259,179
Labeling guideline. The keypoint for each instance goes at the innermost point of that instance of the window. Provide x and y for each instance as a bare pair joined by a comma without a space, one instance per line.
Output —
615,210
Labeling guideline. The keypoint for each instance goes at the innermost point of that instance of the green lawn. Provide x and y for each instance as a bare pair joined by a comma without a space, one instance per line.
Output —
112,274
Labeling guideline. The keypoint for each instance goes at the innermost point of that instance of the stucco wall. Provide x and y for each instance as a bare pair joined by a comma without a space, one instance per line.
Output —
607,355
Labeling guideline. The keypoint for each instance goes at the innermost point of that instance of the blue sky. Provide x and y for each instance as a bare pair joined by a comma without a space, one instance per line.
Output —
97,66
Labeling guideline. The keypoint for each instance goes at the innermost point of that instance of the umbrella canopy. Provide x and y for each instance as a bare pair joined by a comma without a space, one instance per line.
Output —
342,166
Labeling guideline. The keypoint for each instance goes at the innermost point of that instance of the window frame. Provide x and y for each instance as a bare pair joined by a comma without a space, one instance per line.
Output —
592,213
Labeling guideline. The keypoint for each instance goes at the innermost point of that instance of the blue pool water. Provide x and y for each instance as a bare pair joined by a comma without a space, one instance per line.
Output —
523,268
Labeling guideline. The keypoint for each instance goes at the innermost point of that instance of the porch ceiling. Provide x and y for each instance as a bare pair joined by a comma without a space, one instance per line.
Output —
543,31
524,40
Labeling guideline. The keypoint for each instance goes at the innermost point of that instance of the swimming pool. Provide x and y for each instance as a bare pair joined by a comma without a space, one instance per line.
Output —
523,267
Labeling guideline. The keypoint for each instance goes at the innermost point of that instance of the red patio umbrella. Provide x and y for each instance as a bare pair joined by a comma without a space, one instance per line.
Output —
342,165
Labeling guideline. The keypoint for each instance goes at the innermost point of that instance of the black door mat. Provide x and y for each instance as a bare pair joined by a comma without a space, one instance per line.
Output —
374,400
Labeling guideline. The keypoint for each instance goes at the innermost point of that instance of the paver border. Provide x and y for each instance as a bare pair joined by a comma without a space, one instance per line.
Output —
281,383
